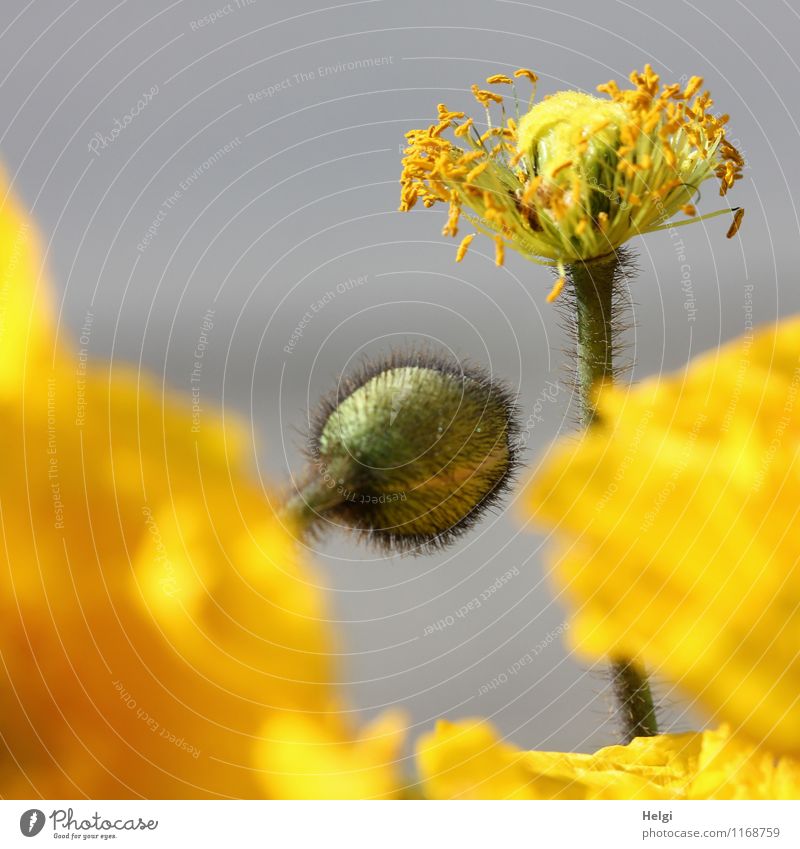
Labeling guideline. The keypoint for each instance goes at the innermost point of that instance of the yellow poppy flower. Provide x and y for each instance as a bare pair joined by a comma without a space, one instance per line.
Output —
576,176
155,614
676,517
466,760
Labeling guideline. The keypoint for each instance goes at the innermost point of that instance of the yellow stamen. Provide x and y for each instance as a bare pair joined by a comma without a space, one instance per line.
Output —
451,227
736,224
667,188
464,128
557,204
490,133
692,87
610,88
531,189
464,246
558,169
499,251
688,209
526,72
484,97
727,173
558,288
498,79
477,170
408,198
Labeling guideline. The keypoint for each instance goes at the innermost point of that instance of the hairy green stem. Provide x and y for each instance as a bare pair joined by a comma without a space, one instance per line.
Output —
320,490
593,285
634,700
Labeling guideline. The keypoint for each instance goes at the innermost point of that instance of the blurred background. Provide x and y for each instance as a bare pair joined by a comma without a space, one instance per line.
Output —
222,178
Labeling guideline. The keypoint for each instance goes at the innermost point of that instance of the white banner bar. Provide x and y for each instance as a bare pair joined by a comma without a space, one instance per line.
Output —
404,825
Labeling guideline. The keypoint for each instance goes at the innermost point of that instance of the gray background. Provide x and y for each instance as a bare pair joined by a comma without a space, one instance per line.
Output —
307,199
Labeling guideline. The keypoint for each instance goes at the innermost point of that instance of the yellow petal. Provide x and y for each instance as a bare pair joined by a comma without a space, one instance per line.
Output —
303,757
677,522
466,760
155,611
26,314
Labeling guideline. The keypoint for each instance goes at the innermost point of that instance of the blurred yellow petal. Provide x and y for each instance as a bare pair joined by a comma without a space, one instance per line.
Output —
729,768
303,757
155,612
153,609
26,325
677,525
466,760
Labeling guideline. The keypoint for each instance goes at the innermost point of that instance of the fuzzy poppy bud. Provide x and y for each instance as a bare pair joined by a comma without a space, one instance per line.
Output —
411,450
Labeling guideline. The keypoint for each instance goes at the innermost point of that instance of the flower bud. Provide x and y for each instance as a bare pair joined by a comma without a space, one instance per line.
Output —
553,133
411,450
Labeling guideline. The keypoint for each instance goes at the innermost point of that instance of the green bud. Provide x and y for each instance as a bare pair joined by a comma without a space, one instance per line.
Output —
412,450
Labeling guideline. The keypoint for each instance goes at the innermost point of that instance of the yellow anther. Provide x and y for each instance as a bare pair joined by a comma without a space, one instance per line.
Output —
558,169
527,73
610,88
464,246
451,227
738,215
477,170
484,97
463,129
692,87
499,251
530,190
494,131
471,156
558,288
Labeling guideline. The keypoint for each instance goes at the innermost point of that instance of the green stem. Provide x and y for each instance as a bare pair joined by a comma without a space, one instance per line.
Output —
593,285
594,288
318,492
635,700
